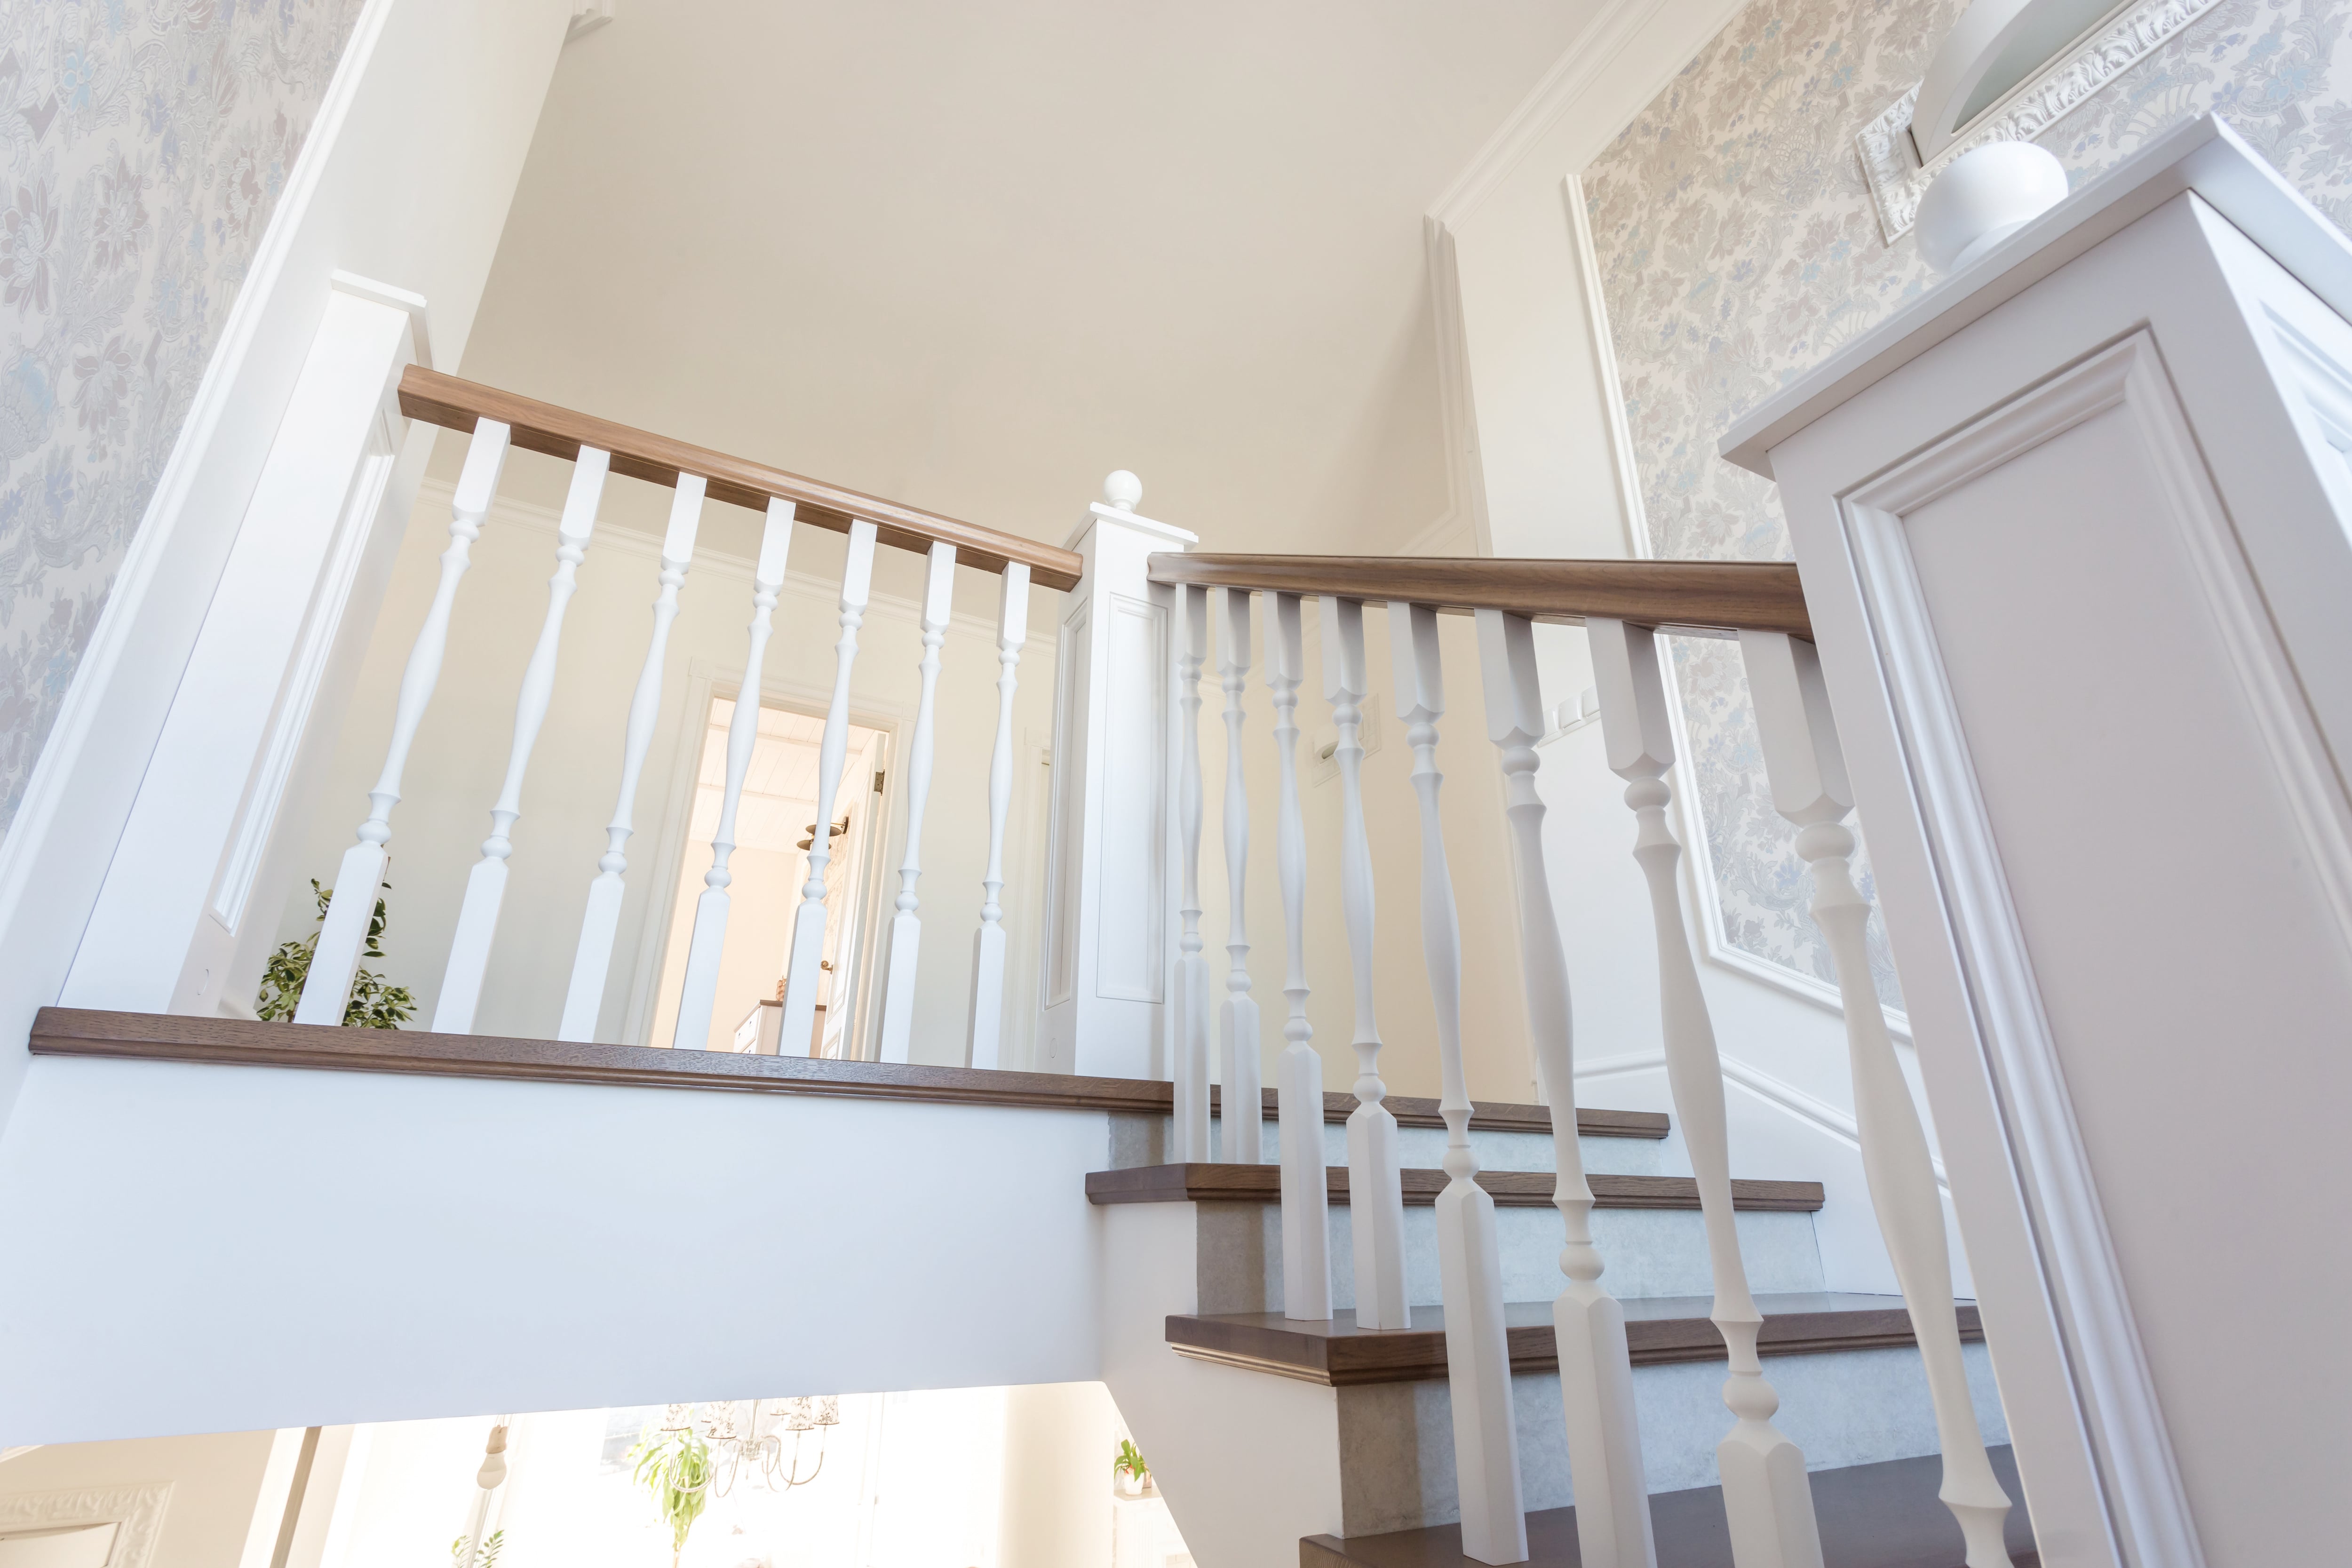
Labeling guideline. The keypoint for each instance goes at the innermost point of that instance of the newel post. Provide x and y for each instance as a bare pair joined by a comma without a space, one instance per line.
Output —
1108,965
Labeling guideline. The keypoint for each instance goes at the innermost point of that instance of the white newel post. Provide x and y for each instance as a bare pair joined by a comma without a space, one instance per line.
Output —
1596,1370
1807,770
486,886
1298,1099
336,957
1191,1121
699,993
1109,951
907,926
799,1021
1238,1065
585,996
1469,1254
177,926
1375,1179
1768,1501
987,1048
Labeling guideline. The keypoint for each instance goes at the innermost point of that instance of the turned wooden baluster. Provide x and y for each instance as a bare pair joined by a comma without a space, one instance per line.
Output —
1807,769
335,958
1469,1255
1596,1372
1766,1498
988,943
799,1021
1191,1066
486,885
1243,1099
907,926
699,993
1298,1095
598,928
1375,1184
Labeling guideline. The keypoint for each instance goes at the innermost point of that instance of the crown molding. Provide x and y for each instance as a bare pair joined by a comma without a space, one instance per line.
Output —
1586,61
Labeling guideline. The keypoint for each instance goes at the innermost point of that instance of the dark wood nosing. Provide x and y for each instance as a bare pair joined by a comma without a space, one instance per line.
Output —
241,1042
1659,1331
1704,598
1872,1516
1509,1189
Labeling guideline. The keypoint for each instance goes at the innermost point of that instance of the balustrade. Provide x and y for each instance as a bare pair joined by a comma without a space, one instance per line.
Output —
1123,952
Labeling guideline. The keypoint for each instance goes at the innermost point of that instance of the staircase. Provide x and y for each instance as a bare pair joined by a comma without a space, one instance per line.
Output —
1846,1365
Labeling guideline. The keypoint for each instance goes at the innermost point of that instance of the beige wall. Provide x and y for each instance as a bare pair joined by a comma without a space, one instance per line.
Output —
215,1482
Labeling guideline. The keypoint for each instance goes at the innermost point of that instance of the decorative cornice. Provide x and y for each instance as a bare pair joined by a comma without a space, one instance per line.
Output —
1890,159
138,1510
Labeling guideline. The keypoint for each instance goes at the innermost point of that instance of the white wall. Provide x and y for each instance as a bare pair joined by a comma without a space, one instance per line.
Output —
405,179
461,750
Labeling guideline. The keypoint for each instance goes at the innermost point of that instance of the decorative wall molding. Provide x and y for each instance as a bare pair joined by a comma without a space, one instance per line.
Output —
139,1509
1890,159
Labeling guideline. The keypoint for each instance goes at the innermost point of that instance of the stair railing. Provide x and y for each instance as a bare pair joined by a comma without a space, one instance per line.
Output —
1623,605
497,423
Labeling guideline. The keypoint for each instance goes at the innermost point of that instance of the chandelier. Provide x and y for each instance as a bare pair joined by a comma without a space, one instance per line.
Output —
747,1436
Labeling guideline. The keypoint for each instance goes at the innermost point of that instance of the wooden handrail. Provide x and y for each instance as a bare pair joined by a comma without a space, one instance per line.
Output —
1709,598
447,400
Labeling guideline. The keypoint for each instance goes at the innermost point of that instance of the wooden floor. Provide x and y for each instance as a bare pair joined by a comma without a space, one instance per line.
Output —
1658,1330
1872,1516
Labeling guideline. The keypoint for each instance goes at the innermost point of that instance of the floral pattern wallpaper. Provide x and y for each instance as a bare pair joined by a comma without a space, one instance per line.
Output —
1738,247
147,144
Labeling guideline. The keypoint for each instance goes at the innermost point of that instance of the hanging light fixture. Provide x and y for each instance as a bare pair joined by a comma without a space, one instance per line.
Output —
749,1433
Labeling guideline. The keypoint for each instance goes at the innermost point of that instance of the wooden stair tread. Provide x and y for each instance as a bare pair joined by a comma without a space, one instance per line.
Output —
244,1042
1658,1330
1199,1182
1872,1516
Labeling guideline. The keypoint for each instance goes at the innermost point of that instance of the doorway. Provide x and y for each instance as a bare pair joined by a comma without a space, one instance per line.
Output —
776,822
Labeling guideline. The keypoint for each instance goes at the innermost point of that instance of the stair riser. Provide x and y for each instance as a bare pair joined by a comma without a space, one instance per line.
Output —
1647,1252
1841,1407
1138,1141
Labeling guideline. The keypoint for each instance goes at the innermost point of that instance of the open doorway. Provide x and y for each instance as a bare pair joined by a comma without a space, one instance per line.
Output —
775,826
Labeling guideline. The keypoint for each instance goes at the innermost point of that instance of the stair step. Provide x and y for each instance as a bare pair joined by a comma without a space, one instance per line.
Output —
1658,1330
1199,1183
1872,1516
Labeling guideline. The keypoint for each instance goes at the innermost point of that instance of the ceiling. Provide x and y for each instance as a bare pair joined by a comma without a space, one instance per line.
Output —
972,257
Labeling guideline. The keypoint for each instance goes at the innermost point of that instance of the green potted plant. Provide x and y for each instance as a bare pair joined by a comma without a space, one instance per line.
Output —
486,1555
1129,1476
373,1006
673,1464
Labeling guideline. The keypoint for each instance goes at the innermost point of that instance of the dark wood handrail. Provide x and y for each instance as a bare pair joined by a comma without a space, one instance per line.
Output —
1711,599
448,401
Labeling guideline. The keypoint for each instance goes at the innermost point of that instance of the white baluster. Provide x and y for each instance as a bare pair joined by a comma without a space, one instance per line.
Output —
1192,1066
799,1021
1596,1374
699,993
1298,1094
1807,769
1767,1503
486,886
988,943
907,926
1469,1255
1375,1183
602,923
336,957
1245,1100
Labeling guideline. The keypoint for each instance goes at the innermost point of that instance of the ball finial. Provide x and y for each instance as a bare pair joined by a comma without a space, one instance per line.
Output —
1983,197
1122,490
